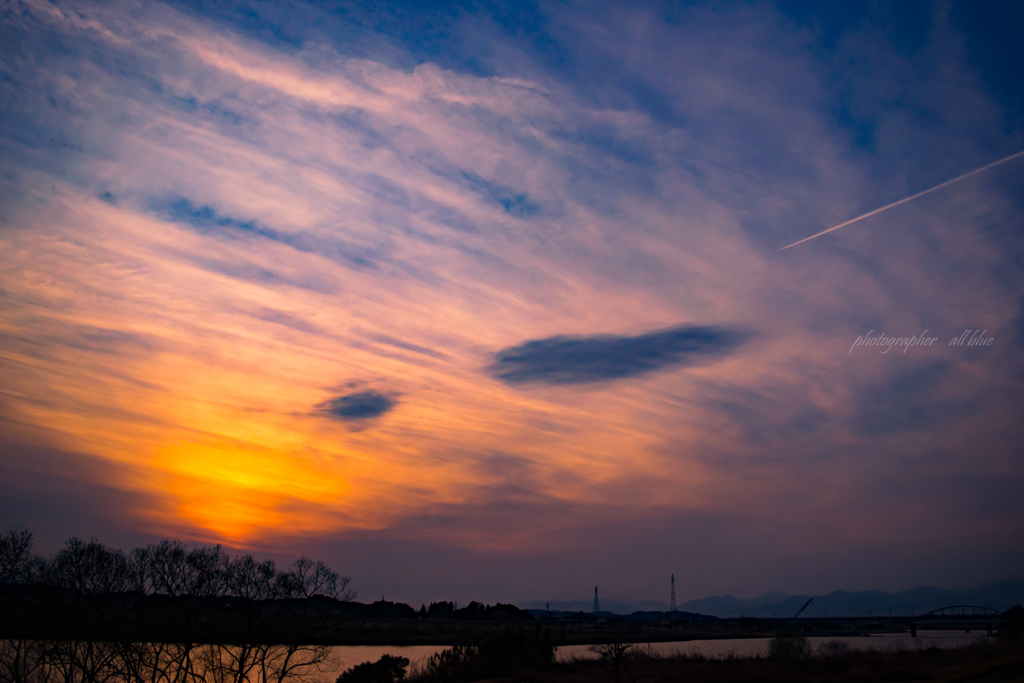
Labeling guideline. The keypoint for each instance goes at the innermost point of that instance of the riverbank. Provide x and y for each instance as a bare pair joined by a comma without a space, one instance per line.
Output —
407,632
994,662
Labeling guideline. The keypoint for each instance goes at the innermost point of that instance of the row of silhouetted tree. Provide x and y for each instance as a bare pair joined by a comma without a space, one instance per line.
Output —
162,613
474,611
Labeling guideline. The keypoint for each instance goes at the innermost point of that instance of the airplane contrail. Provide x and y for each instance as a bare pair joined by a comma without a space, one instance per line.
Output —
903,201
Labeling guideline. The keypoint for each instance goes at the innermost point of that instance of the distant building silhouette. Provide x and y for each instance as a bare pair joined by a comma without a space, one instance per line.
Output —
597,603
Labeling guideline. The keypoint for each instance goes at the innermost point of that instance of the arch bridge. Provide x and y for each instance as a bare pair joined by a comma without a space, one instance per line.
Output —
961,611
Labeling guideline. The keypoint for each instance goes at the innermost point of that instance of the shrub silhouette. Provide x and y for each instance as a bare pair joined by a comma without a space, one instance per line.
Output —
449,662
789,648
496,654
835,649
613,654
1012,626
387,669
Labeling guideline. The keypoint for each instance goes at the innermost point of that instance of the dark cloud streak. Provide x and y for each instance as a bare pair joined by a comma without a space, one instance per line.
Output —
517,204
208,221
361,405
598,358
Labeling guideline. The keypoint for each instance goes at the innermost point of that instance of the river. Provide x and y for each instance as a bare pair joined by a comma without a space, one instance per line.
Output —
345,656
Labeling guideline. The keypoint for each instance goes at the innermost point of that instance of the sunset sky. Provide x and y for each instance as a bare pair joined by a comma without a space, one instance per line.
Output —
489,301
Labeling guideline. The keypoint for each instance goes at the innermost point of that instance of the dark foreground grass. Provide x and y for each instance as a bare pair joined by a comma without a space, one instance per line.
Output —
837,664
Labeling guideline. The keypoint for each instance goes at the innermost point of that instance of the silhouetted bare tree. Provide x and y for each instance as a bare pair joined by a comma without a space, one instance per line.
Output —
615,655
182,597
20,658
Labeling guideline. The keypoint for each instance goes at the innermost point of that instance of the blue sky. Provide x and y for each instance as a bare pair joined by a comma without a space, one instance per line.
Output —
484,301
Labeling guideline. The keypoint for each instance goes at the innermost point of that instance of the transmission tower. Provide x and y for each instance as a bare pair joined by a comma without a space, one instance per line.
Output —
672,604
597,603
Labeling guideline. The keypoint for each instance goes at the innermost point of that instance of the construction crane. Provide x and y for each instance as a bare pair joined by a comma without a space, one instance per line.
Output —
801,610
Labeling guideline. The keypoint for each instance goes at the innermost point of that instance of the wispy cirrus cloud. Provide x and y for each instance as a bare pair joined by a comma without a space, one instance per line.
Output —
209,230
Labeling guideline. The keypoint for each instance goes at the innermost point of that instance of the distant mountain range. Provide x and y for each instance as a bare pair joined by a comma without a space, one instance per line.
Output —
1000,595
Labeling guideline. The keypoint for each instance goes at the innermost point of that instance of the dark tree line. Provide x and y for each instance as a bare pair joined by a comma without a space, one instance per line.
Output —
474,611
163,613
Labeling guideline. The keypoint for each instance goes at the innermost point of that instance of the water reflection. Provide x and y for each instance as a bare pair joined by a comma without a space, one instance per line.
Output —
758,647
170,663
343,657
